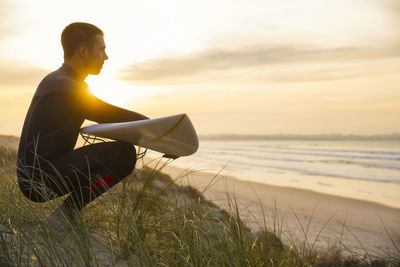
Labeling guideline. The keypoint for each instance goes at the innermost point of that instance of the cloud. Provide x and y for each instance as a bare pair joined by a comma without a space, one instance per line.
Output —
219,59
17,74
330,73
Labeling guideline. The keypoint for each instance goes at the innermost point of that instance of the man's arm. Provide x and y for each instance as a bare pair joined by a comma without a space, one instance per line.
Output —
90,107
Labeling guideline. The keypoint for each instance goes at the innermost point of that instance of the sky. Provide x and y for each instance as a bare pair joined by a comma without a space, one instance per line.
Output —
235,67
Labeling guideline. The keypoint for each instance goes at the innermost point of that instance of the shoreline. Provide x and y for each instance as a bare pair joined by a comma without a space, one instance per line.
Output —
384,193
293,210
292,188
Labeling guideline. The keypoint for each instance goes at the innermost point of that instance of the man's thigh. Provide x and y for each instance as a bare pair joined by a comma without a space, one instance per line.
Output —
82,166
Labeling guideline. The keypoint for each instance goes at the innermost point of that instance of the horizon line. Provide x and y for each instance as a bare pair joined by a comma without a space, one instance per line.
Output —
333,136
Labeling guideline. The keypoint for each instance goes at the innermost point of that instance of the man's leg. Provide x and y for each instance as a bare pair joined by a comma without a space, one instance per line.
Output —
89,171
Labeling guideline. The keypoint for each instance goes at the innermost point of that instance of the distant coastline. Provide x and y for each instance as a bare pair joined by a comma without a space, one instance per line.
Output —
320,137
249,137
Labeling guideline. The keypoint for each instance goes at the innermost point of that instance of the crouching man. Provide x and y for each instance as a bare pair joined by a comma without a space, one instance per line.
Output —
48,166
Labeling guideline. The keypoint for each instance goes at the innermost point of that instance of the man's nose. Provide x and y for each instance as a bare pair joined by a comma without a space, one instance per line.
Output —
105,56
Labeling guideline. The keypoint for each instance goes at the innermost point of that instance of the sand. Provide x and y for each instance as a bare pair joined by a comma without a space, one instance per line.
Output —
294,210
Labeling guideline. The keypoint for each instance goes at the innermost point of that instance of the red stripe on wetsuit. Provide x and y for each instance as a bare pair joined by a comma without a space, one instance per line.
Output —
105,181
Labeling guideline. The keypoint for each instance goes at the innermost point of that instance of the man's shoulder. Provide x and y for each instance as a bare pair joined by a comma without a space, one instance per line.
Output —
56,82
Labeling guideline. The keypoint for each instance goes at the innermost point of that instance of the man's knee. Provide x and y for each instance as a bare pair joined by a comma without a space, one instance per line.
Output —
127,155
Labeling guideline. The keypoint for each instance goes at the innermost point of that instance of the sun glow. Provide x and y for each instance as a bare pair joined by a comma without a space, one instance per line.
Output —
121,93
105,90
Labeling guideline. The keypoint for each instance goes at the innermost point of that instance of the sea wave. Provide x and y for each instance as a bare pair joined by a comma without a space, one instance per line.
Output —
340,160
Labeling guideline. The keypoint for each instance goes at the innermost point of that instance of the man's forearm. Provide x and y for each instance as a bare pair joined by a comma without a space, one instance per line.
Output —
111,113
92,108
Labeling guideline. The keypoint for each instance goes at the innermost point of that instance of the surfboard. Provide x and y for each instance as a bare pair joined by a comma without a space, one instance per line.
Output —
174,135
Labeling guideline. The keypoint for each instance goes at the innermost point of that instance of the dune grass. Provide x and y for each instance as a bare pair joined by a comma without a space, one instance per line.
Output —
147,220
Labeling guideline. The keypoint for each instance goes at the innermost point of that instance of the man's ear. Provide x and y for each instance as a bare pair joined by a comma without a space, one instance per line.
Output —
83,51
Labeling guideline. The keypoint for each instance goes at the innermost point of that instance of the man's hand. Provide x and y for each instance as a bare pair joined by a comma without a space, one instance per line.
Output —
168,156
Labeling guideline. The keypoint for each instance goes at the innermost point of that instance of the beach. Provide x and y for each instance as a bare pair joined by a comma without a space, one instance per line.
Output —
324,209
296,213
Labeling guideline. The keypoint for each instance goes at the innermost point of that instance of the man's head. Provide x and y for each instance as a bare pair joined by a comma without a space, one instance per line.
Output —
83,43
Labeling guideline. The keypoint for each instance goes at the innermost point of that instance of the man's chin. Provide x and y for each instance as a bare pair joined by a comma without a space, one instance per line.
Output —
95,72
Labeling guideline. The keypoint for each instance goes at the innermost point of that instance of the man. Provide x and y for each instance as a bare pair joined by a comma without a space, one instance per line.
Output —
48,166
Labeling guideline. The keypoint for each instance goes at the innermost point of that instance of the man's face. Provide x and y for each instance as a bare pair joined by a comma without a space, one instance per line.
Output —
96,56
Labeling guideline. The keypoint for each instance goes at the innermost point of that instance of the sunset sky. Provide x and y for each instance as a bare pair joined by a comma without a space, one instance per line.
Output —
235,67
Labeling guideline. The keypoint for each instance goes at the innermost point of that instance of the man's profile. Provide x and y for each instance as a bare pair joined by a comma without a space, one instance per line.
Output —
48,166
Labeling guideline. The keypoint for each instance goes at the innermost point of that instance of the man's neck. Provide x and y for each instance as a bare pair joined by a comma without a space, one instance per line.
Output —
78,67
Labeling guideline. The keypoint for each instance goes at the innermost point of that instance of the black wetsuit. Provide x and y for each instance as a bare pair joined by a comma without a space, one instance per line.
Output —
48,166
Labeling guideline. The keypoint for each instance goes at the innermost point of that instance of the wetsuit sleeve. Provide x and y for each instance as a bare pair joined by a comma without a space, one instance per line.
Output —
88,106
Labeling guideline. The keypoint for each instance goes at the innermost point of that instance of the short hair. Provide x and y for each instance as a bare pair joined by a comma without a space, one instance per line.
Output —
77,34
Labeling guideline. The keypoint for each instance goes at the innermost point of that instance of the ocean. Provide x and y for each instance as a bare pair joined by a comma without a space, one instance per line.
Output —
347,168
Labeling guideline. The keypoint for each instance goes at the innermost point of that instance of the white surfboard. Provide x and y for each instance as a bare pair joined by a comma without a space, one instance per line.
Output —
172,135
